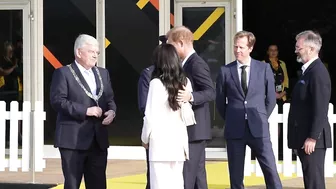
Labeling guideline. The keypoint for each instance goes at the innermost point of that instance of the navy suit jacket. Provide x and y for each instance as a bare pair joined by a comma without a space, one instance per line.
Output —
143,86
308,114
198,72
75,130
258,104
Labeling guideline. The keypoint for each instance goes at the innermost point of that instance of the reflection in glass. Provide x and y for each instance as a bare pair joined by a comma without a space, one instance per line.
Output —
11,61
211,47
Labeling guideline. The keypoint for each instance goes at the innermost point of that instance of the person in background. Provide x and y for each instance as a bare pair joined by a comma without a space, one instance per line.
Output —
281,82
280,74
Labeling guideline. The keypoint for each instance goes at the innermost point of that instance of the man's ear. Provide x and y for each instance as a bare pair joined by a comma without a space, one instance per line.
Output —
78,53
181,43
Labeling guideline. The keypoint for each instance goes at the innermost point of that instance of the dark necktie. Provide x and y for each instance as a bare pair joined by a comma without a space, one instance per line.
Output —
243,79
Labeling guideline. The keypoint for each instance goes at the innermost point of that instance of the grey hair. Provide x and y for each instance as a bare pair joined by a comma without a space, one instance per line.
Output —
84,39
311,39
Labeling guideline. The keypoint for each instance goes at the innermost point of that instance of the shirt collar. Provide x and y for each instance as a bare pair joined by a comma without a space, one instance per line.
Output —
186,58
248,63
306,65
82,69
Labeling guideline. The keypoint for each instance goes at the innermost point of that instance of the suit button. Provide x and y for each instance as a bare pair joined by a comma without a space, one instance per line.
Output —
245,102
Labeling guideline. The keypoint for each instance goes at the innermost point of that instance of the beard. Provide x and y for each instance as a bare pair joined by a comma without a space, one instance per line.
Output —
299,59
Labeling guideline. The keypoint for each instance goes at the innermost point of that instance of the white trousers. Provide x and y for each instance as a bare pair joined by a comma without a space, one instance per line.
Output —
166,175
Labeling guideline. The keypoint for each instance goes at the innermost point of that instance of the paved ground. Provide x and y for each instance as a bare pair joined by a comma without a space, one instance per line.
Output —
117,168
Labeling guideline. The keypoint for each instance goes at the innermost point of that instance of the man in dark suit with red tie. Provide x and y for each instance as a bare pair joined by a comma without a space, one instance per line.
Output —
82,96
309,132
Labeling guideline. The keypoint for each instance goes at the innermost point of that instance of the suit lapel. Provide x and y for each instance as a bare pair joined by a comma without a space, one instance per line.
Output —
234,73
80,76
97,80
253,72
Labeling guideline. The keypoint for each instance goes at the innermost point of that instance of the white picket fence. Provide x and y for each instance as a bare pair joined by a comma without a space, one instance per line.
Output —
288,167
30,156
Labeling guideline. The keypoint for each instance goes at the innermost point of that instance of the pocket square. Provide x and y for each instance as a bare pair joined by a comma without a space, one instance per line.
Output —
302,81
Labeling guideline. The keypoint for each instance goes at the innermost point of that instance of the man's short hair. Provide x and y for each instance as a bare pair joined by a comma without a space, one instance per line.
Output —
311,39
84,39
249,35
180,33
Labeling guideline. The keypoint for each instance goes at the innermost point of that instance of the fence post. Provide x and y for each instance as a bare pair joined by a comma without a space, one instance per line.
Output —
3,118
287,164
26,136
13,139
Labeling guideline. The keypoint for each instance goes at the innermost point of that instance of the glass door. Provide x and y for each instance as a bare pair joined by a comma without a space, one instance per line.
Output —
210,22
14,55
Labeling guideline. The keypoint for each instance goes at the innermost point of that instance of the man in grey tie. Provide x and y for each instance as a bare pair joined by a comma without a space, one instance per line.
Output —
248,87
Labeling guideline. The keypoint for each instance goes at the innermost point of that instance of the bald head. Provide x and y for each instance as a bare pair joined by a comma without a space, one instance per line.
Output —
182,39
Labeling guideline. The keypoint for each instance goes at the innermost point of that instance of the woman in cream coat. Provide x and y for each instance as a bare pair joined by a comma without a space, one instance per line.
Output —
164,131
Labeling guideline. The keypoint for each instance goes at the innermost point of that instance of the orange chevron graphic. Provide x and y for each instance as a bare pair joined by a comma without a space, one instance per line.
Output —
51,58
142,3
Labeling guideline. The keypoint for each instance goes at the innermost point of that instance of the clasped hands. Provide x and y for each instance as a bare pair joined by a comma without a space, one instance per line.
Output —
97,112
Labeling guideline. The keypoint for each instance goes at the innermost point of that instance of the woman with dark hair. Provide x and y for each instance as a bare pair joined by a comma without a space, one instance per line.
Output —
164,131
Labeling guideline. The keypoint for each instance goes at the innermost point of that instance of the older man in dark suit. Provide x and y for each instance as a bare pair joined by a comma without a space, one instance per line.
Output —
309,132
198,72
82,95
245,99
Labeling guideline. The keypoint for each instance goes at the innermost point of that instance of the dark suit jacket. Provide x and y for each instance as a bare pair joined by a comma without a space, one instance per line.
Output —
258,104
198,72
143,86
308,115
75,130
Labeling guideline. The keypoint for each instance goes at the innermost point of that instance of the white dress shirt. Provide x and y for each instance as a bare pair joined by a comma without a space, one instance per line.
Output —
239,65
89,78
306,65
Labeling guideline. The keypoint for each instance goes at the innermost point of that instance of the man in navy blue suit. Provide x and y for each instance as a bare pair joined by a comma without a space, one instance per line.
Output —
309,132
82,96
143,86
245,99
198,72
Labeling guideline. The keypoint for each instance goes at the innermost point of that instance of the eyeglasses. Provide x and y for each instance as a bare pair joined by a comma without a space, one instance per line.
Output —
298,48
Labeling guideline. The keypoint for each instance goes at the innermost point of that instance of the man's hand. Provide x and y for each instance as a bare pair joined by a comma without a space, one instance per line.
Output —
184,95
309,146
109,117
94,111
145,145
278,95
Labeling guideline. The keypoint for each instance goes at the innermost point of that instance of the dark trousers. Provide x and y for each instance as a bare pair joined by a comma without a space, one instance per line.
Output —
313,168
194,169
262,148
148,173
90,163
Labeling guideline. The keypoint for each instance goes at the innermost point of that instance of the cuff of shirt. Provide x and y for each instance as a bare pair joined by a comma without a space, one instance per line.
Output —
192,98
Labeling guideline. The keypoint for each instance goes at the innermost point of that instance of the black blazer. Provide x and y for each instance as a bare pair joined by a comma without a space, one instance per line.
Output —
198,72
75,130
308,115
